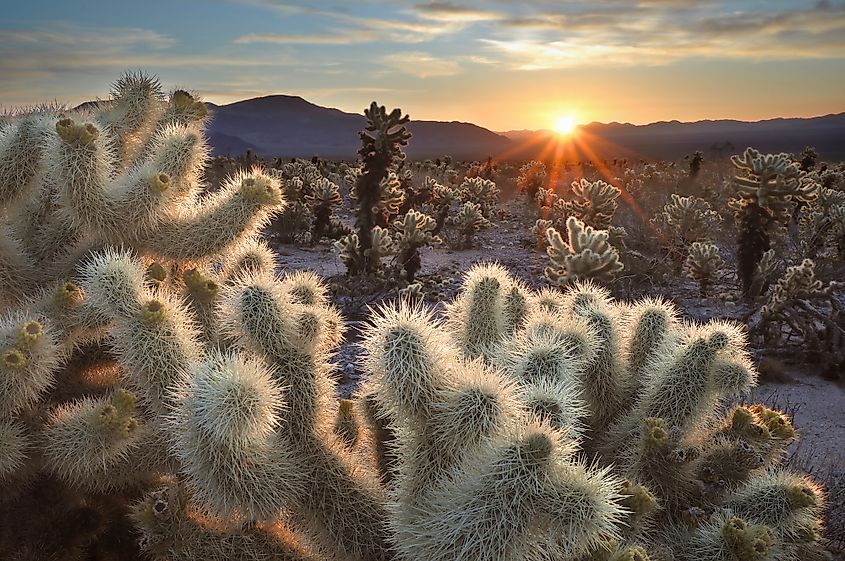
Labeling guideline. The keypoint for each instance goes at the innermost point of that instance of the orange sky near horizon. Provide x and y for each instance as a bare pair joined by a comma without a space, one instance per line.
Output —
501,65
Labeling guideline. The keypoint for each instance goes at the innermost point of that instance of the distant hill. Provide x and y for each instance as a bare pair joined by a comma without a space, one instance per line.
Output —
674,139
289,126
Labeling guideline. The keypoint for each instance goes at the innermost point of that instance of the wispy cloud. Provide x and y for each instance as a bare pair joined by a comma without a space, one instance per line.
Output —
446,11
421,65
654,36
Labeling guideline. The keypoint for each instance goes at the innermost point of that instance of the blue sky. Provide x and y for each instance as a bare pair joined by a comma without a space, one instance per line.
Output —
500,64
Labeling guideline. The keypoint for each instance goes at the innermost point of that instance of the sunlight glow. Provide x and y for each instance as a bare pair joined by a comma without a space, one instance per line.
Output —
565,126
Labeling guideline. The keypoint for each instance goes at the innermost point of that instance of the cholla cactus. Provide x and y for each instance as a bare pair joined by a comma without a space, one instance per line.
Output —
414,231
538,232
686,220
219,412
441,194
532,177
126,173
586,255
480,191
822,224
381,146
412,293
767,186
703,264
352,254
507,409
764,274
770,180
594,203
468,220
802,307
797,283
322,196
348,248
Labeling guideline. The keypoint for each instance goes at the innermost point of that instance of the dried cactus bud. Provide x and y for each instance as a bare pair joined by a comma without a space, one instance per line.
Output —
182,99
107,417
638,499
67,295
693,516
29,333
124,401
259,189
186,104
741,419
14,358
153,312
630,553
801,496
160,183
156,272
75,134
654,432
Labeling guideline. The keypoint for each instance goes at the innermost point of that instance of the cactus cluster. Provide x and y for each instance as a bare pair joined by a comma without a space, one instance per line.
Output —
155,371
802,306
514,387
822,224
76,184
586,255
593,202
686,220
468,220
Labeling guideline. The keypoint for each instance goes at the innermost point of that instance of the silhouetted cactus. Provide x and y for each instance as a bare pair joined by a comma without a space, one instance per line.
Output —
381,146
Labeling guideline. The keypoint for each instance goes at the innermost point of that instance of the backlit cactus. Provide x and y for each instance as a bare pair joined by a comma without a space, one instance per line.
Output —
593,202
532,178
480,191
381,146
586,255
767,187
703,264
414,231
686,220
150,359
632,384
468,220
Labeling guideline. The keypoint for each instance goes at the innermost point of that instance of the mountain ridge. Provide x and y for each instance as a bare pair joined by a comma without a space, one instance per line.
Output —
282,125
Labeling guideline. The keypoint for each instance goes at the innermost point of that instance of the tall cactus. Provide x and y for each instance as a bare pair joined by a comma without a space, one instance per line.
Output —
767,185
381,146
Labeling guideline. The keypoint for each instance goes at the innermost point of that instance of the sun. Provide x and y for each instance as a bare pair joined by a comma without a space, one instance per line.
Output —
565,125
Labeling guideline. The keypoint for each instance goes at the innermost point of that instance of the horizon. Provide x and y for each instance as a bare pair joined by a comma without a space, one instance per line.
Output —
549,128
603,61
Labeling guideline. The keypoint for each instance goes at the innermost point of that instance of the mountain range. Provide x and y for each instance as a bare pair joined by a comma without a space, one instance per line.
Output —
289,126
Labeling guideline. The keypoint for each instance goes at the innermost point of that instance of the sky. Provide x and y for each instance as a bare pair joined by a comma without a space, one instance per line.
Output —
501,64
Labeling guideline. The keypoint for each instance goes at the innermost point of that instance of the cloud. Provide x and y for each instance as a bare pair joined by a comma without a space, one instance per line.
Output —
651,35
446,11
74,36
421,65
